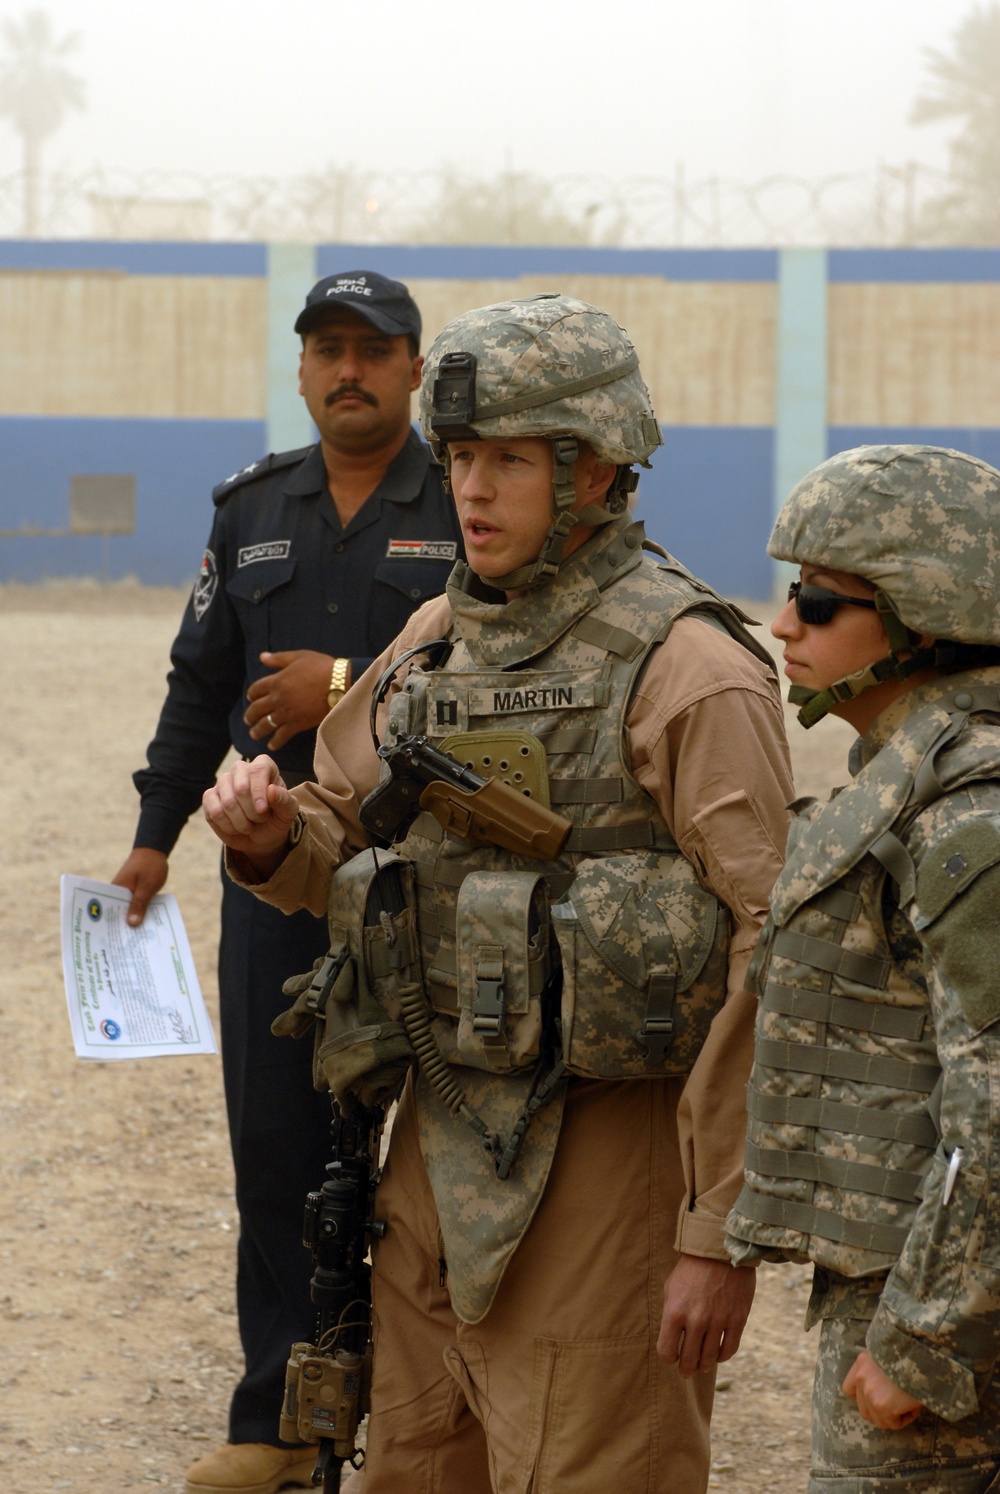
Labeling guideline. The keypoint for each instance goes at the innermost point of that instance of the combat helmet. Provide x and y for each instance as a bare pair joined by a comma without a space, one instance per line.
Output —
922,525
549,366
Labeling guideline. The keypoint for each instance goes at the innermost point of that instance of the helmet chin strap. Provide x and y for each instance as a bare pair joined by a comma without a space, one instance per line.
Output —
565,453
817,703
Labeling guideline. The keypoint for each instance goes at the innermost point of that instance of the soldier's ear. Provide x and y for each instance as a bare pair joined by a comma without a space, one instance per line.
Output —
598,477
415,372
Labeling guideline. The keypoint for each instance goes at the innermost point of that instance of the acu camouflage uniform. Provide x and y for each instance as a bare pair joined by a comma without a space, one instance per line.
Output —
877,1054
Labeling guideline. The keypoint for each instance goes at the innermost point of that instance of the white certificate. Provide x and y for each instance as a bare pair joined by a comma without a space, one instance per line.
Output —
132,992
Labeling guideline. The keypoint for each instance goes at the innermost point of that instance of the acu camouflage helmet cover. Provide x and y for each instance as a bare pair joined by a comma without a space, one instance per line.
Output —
921,523
550,365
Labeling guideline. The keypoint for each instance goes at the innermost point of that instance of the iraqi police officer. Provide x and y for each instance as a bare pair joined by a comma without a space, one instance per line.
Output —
872,1146
316,559
562,1160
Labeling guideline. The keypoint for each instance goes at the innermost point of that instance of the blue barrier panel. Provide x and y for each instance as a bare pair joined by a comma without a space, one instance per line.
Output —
913,266
982,442
133,257
176,463
708,501
508,262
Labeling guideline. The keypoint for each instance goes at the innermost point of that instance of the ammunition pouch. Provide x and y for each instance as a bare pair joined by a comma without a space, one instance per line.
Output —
638,946
644,961
504,957
361,1049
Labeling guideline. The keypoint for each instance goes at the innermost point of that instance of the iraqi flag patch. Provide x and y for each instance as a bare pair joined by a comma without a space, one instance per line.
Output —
205,586
421,550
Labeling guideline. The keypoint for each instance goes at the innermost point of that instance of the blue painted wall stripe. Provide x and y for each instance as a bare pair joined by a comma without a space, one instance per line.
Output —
291,271
483,262
133,258
419,261
982,441
913,266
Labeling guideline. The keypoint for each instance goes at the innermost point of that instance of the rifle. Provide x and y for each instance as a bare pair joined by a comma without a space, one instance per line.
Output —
485,811
328,1384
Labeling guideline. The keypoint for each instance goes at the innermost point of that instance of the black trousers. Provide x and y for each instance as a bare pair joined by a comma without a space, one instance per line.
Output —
279,1127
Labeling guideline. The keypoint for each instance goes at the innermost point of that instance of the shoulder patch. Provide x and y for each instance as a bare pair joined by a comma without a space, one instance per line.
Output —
952,864
963,952
256,470
205,586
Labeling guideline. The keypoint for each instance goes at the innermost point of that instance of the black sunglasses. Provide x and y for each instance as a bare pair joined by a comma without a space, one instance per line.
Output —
816,604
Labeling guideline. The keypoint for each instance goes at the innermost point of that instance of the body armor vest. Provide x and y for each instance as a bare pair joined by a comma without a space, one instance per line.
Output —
842,1123
608,961
536,691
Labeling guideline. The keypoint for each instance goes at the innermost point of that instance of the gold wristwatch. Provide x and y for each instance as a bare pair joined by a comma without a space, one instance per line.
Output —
338,682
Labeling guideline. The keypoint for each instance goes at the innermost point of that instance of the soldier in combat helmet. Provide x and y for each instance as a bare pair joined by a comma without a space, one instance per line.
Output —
565,1153
871,1145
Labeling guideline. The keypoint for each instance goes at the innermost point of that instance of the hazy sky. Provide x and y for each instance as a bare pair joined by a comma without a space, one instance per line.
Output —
742,88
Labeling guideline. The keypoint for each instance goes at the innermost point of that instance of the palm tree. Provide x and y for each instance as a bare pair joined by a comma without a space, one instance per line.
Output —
964,84
36,92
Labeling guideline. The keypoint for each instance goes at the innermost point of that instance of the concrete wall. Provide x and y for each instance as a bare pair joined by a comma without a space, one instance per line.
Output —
176,363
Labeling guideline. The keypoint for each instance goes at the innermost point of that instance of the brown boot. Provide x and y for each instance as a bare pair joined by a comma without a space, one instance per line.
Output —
251,1468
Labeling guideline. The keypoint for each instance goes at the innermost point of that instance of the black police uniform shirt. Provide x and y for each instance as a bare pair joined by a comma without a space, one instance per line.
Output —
280,572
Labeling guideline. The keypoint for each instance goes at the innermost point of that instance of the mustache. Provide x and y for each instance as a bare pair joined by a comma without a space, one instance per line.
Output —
354,390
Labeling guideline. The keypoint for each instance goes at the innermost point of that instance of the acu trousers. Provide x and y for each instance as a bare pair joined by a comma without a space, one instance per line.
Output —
850,1455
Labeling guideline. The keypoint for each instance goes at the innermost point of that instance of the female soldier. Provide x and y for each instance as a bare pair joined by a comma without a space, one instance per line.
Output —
872,1100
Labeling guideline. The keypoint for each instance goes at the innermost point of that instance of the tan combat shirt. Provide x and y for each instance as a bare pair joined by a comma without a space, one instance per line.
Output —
706,740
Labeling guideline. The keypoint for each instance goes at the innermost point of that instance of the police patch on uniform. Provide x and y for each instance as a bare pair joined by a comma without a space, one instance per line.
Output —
422,550
205,585
272,550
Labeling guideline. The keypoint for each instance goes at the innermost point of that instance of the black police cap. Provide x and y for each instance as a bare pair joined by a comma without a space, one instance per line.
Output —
386,304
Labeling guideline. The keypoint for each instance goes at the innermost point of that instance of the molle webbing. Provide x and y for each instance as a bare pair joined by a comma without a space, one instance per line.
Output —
581,739
845,1011
586,791
640,835
886,1239
587,840
834,1172
823,954
853,1120
890,852
837,902
845,1063
606,636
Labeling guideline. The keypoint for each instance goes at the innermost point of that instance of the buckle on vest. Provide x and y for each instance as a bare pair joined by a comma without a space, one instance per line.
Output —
324,981
487,1008
656,1035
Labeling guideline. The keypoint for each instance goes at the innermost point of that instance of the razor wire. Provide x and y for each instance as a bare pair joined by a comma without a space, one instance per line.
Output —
886,206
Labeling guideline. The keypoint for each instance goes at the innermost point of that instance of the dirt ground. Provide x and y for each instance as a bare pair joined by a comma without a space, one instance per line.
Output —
118,1342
